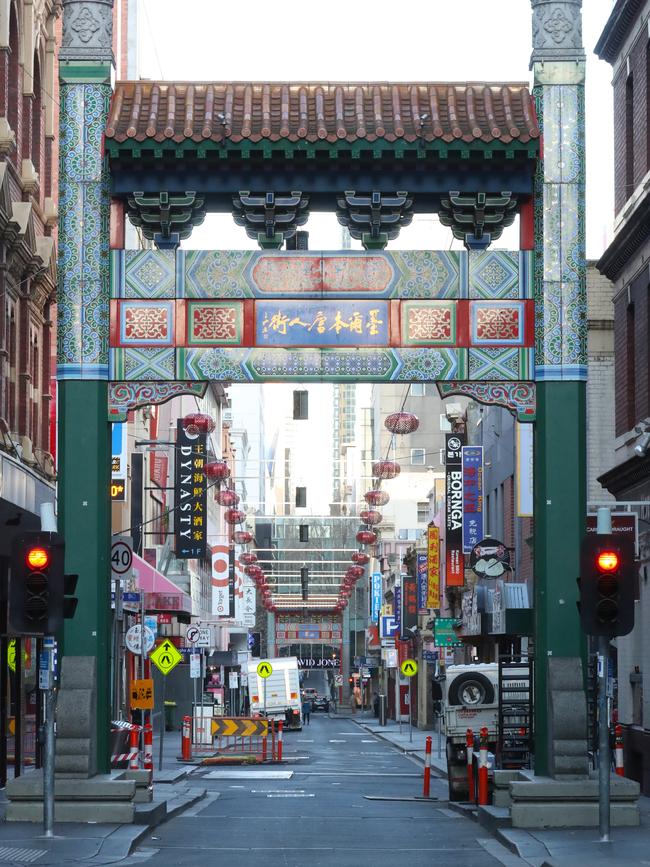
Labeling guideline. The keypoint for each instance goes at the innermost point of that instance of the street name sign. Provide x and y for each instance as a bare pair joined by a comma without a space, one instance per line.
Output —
165,657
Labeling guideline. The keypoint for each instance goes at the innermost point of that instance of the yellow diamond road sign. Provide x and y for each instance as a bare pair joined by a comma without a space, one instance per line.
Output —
264,669
166,657
409,667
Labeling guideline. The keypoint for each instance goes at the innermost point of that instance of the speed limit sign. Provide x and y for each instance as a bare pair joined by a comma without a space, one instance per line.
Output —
121,557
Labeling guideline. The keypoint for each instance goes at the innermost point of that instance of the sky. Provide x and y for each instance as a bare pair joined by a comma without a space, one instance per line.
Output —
411,40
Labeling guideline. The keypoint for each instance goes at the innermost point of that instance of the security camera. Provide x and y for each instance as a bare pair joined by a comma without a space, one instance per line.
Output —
643,445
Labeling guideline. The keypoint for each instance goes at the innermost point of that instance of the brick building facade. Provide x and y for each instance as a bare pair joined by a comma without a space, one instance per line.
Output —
625,43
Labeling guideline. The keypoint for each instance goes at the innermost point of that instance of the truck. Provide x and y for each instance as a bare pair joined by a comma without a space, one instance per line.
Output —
278,695
470,700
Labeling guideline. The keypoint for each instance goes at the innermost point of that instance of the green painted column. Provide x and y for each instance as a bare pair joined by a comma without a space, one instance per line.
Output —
85,72
558,64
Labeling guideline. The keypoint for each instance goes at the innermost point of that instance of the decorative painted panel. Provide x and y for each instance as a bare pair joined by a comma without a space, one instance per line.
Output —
126,396
518,397
318,323
214,322
222,274
429,322
83,275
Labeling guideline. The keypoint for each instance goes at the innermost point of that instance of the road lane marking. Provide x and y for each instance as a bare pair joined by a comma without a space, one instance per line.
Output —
225,774
293,795
337,741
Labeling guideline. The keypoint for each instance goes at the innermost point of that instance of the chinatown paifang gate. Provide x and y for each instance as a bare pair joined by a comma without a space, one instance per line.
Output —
509,328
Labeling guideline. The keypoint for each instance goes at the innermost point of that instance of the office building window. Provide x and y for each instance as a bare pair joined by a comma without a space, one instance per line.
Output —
418,389
418,457
423,512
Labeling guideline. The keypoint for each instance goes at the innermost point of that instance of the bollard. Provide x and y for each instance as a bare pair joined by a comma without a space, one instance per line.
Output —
134,739
280,724
148,747
618,750
483,768
264,742
186,739
427,769
471,788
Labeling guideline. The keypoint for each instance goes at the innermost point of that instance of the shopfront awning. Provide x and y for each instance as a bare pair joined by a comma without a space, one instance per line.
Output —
160,594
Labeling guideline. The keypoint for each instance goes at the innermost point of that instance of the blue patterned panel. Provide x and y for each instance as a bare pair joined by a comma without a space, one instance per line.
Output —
494,364
430,274
494,274
217,364
150,274
429,365
149,363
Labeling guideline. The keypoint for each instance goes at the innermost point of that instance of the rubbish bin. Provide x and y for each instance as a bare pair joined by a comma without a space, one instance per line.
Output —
171,723
382,710
120,739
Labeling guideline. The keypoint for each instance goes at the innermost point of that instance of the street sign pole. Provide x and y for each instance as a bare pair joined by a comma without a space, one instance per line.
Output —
162,724
48,763
411,709
604,525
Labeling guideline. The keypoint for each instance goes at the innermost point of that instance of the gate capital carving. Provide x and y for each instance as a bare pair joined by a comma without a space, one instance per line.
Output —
87,30
557,30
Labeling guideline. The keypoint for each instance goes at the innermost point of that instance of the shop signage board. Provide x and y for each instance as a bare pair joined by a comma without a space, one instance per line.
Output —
472,459
141,693
190,490
375,596
455,569
422,583
444,634
433,567
409,606
133,639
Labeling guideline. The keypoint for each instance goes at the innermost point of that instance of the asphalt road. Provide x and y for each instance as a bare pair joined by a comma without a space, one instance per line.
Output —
320,815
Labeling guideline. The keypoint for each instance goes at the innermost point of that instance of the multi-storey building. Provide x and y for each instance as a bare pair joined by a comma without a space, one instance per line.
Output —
624,43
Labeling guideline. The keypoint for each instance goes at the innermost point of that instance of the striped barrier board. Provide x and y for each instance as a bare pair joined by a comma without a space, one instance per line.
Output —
124,757
244,727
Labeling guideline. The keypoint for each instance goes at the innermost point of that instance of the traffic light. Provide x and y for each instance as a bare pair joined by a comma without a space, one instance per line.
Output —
36,584
607,585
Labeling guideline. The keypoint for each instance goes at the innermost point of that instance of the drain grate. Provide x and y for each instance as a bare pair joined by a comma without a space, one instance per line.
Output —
23,856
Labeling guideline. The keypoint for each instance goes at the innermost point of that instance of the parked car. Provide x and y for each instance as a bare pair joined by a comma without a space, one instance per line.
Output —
318,702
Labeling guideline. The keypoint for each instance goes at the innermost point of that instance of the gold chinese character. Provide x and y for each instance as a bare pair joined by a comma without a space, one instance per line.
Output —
297,321
339,323
198,507
197,535
197,477
198,463
277,322
198,521
373,322
356,323
197,492
199,449
319,323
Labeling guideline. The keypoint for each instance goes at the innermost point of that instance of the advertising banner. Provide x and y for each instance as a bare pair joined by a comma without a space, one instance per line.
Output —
433,566
191,514
220,602
118,462
524,474
397,602
454,571
472,496
375,596
423,583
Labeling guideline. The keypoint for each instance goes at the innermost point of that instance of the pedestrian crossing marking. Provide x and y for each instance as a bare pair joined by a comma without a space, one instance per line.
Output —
264,669
165,657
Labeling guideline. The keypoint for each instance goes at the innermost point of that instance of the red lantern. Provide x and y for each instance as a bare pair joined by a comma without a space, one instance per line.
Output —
386,469
217,470
242,537
234,516
227,497
253,571
356,571
360,558
248,558
402,422
366,537
371,516
376,497
198,423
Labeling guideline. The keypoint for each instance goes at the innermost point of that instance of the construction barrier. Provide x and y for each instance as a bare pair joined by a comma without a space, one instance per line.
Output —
280,724
128,729
244,737
483,795
471,787
426,787
148,748
134,762
618,751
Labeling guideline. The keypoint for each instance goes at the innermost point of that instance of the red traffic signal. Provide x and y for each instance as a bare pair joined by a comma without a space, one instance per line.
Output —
37,557
607,585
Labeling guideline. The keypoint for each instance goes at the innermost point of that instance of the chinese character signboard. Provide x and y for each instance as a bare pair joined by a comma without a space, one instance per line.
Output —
433,566
455,570
118,462
472,496
375,596
422,583
397,602
191,516
409,607
321,323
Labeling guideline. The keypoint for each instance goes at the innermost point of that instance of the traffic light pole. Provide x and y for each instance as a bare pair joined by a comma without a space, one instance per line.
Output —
603,525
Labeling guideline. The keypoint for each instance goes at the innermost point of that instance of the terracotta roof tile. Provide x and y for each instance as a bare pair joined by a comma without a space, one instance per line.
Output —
253,111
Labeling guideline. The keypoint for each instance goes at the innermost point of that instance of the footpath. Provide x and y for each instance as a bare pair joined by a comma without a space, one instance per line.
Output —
23,843
579,847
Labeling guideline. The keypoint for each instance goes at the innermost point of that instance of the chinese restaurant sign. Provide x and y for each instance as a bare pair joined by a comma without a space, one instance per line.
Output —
472,496
422,583
409,606
315,323
190,516
433,566
455,566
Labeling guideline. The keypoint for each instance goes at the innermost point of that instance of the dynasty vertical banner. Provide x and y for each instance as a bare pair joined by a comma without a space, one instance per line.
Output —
433,566
454,443
423,590
409,606
191,514
472,497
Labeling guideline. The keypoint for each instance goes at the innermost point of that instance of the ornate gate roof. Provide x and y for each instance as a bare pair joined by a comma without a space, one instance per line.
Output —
312,112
